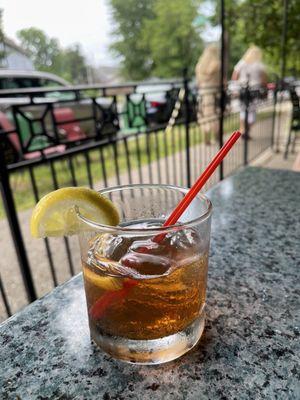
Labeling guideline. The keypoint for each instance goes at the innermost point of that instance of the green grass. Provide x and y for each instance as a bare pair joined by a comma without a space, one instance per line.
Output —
168,144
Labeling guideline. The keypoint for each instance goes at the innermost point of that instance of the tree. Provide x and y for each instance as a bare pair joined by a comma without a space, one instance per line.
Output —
2,48
129,17
42,49
47,55
260,22
172,38
73,65
268,18
155,36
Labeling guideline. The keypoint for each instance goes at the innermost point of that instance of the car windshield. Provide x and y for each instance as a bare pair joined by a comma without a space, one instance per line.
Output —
26,82
19,82
44,82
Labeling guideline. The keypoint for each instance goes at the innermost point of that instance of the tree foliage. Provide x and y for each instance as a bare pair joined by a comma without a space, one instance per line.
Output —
172,38
42,49
260,22
47,55
73,65
155,37
129,17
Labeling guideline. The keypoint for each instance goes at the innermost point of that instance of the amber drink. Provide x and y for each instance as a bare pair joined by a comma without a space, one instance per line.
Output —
145,284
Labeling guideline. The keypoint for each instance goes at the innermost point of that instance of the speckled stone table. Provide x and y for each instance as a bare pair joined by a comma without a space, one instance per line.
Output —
250,348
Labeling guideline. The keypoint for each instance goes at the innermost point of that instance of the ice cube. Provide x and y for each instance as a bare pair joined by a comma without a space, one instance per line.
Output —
146,246
117,246
143,258
182,242
184,239
111,247
144,265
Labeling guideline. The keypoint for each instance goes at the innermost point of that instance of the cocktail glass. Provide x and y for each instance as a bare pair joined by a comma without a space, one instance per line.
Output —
145,284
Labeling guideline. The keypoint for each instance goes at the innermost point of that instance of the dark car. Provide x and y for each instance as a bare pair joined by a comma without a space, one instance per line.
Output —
159,102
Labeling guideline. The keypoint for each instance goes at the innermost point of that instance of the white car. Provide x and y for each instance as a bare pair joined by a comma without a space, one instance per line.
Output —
13,79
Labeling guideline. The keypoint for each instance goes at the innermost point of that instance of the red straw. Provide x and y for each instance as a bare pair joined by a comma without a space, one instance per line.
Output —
99,308
200,182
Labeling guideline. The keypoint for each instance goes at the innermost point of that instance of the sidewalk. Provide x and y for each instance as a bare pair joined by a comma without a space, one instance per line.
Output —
275,159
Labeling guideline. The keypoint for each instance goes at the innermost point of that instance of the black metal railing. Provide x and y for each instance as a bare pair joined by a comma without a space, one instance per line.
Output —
103,136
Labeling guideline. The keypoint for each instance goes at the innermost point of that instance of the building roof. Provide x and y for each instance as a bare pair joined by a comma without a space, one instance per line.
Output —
11,43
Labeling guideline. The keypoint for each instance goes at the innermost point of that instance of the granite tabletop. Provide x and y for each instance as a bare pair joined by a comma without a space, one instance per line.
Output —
250,347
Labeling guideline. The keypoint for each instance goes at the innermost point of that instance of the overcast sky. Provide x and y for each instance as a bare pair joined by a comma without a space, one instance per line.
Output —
85,22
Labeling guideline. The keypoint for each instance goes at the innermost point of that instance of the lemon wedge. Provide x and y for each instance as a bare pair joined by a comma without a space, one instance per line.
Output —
55,214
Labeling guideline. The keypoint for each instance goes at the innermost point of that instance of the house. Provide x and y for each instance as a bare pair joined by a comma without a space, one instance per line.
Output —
14,56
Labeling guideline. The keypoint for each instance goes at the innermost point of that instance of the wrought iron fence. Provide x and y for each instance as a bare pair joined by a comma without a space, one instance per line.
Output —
103,136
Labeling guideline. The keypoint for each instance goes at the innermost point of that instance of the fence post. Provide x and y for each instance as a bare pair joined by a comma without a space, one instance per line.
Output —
222,80
187,127
274,116
284,37
280,89
246,133
15,230
5,300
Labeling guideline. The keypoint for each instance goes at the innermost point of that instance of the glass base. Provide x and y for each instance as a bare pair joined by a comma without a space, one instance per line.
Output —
155,351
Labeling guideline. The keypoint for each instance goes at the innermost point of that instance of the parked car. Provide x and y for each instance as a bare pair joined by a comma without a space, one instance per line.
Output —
66,107
11,79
